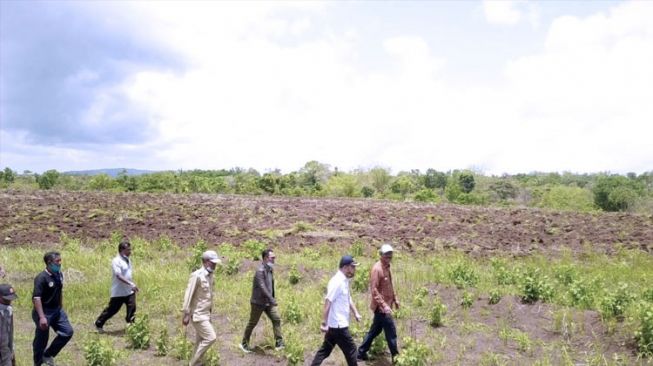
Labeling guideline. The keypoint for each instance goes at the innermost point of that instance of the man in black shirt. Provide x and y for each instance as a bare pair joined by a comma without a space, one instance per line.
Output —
48,311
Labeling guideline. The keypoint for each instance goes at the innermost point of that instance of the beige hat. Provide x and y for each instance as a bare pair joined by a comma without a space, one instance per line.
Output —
212,256
385,248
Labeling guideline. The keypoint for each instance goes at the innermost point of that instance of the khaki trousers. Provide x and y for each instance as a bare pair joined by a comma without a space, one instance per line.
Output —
205,336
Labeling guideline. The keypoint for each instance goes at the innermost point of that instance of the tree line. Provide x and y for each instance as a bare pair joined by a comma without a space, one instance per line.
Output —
566,191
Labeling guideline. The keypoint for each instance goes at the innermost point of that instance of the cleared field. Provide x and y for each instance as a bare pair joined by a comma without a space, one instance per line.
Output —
566,288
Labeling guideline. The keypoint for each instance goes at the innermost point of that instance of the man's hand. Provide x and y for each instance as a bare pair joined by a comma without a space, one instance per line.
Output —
186,319
134,288
323,327
273,302
358,317
387,310
43,323
397,304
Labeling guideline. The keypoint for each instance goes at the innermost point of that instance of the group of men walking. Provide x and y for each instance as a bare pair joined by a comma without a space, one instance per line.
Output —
47,298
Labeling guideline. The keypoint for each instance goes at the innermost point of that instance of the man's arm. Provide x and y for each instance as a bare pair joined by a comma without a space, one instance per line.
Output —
38,306
117,270
260,281
188,297
325,315
352,306
375,282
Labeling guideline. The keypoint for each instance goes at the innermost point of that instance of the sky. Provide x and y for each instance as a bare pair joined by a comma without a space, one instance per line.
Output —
493,86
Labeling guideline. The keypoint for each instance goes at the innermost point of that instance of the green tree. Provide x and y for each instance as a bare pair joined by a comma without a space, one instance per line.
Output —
8,175
101,182
435,179
504,189
48,179
615,192
314,175
466,181
380,179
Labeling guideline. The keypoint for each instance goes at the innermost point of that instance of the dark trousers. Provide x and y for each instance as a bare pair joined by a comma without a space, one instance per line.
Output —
58,321
336,337
255,314
115,303
382,322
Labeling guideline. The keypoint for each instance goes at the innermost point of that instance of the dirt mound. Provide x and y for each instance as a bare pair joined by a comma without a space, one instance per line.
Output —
39,217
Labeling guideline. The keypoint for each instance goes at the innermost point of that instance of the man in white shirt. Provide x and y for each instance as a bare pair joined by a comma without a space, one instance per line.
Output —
335,318
198,303
123,288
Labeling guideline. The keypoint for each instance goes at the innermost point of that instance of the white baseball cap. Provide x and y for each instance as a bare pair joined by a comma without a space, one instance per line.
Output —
385,248
212,256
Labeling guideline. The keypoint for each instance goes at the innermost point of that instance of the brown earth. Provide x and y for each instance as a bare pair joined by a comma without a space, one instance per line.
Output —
40,217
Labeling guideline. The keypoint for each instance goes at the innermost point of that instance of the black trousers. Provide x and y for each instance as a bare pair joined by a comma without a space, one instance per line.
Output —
115,303
337,337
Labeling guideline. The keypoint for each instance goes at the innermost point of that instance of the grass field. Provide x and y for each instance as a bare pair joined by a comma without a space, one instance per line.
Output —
582,308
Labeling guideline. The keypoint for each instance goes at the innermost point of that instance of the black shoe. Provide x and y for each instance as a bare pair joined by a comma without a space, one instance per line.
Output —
362,357
279,345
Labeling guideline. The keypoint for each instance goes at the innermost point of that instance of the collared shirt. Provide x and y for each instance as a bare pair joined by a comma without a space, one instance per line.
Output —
6,334
49,287
121,266
198,299
383,293
339,296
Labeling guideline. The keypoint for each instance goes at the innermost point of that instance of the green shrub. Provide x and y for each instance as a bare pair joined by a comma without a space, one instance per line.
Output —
100,352
195,260
566,274
413,353
615,192
426,195
567,198
163,343
254,248
293,312
183,348
367,191
420,296
614,304
438,311
647,295
231,267
357,248
581,294
463,275
467,300
138,333
536,286
502,274
361,279
211,357
495,296
294,276
644,335
294,349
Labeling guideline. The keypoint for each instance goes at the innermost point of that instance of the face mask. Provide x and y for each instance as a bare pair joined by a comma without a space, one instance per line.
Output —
55,268
271,265
209,269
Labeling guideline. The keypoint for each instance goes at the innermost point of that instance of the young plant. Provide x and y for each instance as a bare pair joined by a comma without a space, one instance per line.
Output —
138,333
195,260
495,296
438,310
361,280
467,300
420,296
294,349
163,343
182,347
357,249
614,304
211,357
413,353
254,248
536,287
100,352
644,335
293,312
463,275
294,276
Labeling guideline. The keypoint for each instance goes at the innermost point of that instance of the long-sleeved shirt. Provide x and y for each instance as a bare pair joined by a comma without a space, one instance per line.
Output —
383,293
6,335
198,299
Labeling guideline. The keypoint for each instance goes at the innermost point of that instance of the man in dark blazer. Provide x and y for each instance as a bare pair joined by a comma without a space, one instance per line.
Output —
263,301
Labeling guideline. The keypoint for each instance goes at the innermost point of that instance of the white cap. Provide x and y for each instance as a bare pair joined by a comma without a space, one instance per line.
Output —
211,256
385,248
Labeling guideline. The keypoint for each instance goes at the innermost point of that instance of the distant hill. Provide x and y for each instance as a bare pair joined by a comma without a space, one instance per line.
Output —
110,172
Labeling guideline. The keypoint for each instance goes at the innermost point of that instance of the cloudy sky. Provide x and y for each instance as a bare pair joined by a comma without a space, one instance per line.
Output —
499,87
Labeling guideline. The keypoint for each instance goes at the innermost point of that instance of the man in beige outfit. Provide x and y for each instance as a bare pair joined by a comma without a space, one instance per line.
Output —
198,302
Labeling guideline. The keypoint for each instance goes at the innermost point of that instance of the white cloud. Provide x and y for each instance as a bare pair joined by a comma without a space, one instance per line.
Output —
501,12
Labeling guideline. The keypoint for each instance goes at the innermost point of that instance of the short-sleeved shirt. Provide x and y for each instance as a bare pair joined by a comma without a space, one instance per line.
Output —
49,288
340,298
121,266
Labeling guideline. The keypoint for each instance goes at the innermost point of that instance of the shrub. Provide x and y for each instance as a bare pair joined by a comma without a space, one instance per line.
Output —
294,276
495,296
566,274
254,248
614,192
426,195
466,181
195,260
138,333
647,295
367,191
361,280
420,296
48,179
467,300
502,274
183,348
100,352
463,275
536,287
413,353
567,198
614,304
438,311
293,312
357,248
581,294
644,335
211,357
162,343
294,349
231,267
